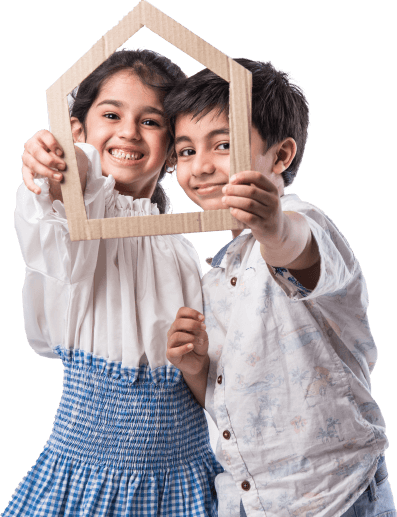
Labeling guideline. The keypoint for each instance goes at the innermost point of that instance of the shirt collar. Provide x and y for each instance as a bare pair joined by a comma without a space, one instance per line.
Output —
219,257
216,260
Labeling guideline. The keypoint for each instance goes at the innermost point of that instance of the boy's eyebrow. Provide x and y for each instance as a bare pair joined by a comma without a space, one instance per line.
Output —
119,104
211,134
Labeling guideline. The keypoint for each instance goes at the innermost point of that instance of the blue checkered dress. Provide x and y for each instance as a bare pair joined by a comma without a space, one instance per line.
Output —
126,442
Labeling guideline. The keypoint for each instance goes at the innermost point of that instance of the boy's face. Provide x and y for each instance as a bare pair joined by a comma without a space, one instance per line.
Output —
202,149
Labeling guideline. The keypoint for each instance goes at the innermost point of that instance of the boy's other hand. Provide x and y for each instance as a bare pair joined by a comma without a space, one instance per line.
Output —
42,155
187,344
255,201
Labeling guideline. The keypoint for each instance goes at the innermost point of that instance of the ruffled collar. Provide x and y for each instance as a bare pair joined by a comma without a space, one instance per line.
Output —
118,202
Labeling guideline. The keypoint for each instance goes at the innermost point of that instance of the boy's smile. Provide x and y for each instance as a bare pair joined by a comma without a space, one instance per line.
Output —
202,149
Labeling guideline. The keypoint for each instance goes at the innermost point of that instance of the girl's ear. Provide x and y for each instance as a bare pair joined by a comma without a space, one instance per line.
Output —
170,162
77,130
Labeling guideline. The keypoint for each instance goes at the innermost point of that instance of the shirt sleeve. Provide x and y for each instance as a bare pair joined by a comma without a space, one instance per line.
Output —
337,261
54,264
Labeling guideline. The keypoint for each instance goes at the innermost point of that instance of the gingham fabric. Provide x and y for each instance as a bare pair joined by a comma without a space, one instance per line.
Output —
126,442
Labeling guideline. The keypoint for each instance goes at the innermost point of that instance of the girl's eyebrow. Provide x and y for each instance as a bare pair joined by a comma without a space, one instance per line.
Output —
211,134
119,104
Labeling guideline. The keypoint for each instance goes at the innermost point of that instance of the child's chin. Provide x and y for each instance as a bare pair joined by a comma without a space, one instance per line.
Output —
211,204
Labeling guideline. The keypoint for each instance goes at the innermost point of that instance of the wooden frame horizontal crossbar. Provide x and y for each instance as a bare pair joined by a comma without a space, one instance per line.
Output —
144,14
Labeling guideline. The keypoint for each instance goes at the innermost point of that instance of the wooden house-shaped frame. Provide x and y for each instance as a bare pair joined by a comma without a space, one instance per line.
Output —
144,14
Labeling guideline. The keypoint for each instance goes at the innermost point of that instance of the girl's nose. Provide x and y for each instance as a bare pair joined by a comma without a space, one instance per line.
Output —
129,130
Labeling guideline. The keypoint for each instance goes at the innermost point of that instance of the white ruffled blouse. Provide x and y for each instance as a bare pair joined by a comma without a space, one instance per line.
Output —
114,298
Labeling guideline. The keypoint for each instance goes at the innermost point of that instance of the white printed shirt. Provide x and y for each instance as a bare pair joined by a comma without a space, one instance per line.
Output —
289,379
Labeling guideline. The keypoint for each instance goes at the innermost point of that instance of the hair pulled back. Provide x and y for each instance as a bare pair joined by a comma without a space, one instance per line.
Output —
153,69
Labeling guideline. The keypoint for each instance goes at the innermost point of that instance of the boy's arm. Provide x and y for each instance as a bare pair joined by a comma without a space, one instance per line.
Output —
297,251
285,237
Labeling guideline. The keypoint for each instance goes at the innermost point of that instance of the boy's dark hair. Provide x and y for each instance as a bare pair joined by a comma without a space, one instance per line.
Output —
279,108
154,70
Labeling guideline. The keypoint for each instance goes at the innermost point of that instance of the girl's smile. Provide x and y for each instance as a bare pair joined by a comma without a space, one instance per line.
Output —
127,126
126,157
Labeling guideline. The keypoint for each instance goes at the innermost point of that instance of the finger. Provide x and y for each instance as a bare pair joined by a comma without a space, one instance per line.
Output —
182,338
188,325
37,168
248,205
180,351
258,179
252,192
42,155
247,218
28,180
200,346
47,141
187,312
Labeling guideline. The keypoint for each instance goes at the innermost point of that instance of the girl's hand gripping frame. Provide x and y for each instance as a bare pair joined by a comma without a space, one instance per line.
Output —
144,14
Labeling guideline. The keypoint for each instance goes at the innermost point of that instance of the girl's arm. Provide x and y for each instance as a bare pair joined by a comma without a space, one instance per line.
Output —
82,165
198,382
58,271
187,349
41,156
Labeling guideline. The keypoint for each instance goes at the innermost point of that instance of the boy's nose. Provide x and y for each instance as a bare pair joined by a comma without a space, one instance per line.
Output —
202,165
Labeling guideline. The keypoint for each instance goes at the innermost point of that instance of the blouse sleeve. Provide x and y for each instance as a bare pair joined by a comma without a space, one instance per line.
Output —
54,264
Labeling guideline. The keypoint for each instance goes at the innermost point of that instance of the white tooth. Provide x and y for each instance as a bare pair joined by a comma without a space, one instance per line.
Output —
127,156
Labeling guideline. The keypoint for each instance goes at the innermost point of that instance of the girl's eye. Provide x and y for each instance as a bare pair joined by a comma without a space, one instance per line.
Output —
224,147
112,116
186,152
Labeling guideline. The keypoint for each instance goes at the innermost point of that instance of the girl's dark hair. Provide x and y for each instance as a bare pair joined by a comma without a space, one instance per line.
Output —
279,108
154,70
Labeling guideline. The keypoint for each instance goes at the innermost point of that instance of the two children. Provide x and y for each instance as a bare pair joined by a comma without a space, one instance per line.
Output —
289,346
290,349
128,438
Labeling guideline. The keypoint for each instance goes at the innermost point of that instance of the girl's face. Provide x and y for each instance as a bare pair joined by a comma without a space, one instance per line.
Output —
127,126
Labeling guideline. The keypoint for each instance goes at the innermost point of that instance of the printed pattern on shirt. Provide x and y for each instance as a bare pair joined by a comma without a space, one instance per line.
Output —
296,418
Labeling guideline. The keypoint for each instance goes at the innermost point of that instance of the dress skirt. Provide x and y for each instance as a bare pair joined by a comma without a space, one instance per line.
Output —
126,442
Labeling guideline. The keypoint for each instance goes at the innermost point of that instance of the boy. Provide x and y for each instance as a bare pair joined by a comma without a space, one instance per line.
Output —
290,350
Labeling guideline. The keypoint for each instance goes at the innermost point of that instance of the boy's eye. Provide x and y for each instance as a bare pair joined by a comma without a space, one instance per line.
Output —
186,152
150,122
112,116
225,146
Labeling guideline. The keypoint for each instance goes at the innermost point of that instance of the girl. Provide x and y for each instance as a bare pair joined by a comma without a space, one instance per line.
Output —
128,438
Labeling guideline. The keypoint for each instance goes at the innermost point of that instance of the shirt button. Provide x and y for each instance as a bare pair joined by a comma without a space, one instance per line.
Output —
233,281
245,485
219,379
226,435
